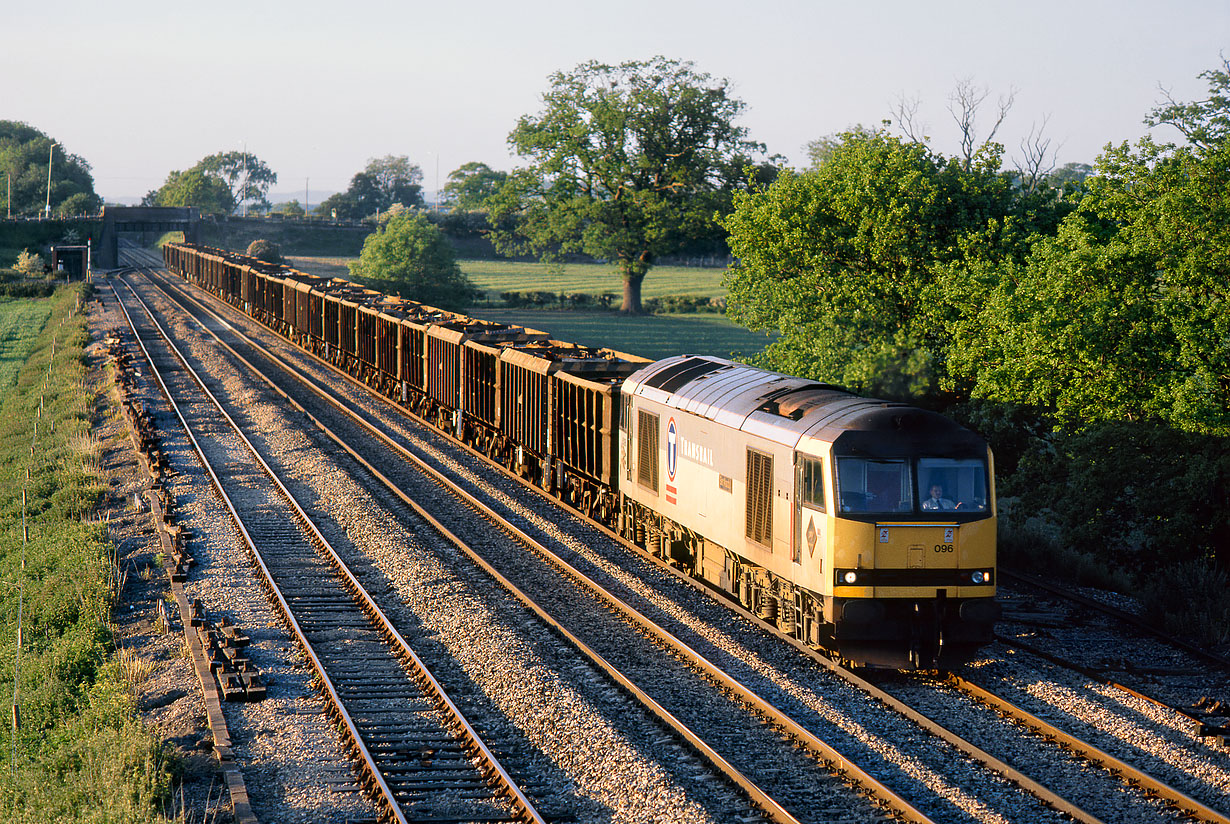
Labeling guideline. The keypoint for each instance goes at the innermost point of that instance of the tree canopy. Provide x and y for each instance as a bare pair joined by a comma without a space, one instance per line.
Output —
383,182
471,184
854,260
24,155
217,184
1077,318
411,257
247,176
195,188
1121,315
625,163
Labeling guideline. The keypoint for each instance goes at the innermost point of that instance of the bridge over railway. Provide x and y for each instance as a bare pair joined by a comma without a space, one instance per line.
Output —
147,222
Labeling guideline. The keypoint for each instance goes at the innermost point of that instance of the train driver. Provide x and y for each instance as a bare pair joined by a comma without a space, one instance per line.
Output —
937,499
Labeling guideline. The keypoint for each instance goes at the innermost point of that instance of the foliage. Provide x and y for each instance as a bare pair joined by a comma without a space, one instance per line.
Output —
411,257
860,262
80,754
29,263
383,182
1122,314
265,250
470,185
289,208
24,155
247,176
626,163
195,188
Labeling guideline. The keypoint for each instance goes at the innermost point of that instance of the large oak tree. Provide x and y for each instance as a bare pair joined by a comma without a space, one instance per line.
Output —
626,163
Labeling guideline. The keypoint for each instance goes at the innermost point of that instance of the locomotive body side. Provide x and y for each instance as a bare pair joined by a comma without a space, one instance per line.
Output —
806,504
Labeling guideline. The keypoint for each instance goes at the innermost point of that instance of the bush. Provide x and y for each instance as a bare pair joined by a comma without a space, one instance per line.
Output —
265,250
1190,600
411,257
1141,497
29,263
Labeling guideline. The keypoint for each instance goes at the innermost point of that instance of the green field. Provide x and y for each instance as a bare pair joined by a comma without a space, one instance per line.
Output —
651,336
495,276
21,320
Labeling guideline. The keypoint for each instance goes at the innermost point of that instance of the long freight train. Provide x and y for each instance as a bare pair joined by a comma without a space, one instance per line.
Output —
862,526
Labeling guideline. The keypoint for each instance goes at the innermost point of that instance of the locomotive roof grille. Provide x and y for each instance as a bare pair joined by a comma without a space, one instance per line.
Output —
677,375
796,402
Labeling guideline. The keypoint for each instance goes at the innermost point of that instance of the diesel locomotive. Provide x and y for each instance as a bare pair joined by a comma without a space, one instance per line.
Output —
858,525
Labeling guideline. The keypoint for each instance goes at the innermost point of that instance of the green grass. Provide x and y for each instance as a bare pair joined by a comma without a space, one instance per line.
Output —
495,276
651,336
513,276
80,754
21,321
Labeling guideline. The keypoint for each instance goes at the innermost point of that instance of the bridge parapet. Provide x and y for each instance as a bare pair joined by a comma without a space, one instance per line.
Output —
146,220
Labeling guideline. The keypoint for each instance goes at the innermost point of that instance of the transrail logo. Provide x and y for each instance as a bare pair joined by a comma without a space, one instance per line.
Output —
696,453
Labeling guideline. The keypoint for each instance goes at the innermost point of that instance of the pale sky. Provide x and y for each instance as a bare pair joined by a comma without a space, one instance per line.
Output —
315,88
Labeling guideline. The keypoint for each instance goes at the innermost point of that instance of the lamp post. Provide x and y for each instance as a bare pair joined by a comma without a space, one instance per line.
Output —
50,151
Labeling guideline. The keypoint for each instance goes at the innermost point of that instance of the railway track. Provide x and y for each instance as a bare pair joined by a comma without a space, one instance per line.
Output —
780,719
1014,776
482,537
416,752
1144,662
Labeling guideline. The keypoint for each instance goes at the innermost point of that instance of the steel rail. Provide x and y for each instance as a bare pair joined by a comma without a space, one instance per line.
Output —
1180,800
1098,675
838,761
1120,614
419,670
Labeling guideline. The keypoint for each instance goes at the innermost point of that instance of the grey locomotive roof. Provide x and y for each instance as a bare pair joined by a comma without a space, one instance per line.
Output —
778,407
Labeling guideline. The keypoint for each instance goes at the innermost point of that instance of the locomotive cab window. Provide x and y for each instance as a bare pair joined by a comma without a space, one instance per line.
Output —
947,484
811,484
874,485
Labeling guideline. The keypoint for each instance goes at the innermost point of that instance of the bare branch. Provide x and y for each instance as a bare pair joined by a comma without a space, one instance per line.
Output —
905,111
1036,147
963,105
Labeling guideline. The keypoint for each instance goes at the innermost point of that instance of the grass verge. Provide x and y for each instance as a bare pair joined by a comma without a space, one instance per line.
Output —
79,754
21,321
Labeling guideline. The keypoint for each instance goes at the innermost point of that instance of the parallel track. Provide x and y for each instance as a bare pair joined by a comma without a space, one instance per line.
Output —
415,750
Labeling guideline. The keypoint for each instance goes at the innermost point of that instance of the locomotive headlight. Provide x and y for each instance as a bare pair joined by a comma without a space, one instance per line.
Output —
976,577
981,577
850,577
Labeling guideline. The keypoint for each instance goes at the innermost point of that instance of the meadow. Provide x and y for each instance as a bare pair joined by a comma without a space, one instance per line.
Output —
495,276
651,336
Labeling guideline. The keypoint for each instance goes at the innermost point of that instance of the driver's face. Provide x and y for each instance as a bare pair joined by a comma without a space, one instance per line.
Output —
937,491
